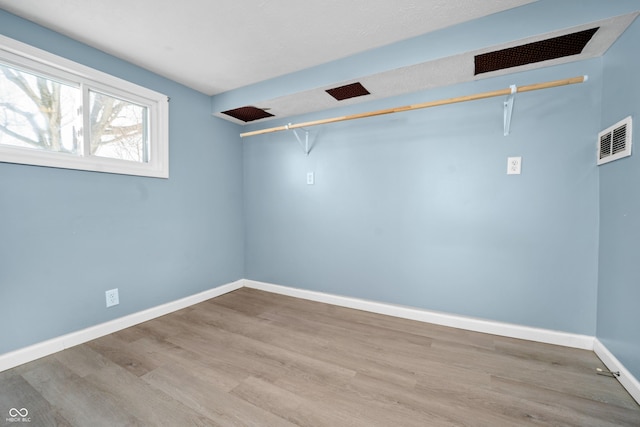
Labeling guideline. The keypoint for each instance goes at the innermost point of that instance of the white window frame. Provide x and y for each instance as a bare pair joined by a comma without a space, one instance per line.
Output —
29,58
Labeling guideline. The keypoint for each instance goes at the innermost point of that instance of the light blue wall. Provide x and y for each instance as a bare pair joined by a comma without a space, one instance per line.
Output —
416,208
619,266
67,236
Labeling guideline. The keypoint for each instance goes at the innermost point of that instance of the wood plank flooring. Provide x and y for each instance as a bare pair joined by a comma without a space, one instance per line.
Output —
251,358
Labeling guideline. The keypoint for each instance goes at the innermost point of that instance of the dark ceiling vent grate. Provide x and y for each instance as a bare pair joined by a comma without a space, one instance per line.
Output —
348,91
248,114
544,50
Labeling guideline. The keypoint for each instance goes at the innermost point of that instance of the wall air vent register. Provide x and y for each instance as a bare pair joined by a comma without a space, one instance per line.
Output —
615,142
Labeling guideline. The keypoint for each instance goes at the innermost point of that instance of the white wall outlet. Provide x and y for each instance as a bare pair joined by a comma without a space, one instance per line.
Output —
112,297
514,165
310,178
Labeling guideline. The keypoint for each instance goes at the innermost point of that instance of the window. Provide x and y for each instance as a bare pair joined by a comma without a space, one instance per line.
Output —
57,113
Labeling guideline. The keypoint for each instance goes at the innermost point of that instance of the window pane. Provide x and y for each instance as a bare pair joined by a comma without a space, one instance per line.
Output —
37,112
118,128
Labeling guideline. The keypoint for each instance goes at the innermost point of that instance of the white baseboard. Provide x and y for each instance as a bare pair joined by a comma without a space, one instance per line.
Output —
566,339
54,345
585,342
626,378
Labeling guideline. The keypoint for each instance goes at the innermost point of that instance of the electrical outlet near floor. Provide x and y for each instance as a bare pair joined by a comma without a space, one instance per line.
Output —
112,297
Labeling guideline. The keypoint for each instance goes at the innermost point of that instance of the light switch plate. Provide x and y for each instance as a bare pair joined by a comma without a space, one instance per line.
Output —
310,178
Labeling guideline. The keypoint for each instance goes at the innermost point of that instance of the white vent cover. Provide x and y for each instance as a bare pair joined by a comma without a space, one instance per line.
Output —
615,142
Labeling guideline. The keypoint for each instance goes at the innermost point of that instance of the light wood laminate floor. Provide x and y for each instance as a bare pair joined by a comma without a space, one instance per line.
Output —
251,358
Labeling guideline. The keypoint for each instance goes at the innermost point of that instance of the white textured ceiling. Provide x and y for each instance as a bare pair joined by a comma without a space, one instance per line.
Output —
216,46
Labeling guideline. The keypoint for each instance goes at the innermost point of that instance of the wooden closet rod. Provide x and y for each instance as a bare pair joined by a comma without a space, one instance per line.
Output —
492,94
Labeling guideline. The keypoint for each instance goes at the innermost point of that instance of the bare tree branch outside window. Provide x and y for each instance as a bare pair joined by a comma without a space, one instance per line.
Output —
40,113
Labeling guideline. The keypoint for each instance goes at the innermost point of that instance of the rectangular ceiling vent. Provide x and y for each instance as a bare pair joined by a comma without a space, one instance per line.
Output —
530,53
615,142
248,114
352,90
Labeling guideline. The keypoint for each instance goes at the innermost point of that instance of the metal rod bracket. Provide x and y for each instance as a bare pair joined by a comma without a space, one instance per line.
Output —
508,109
305,145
